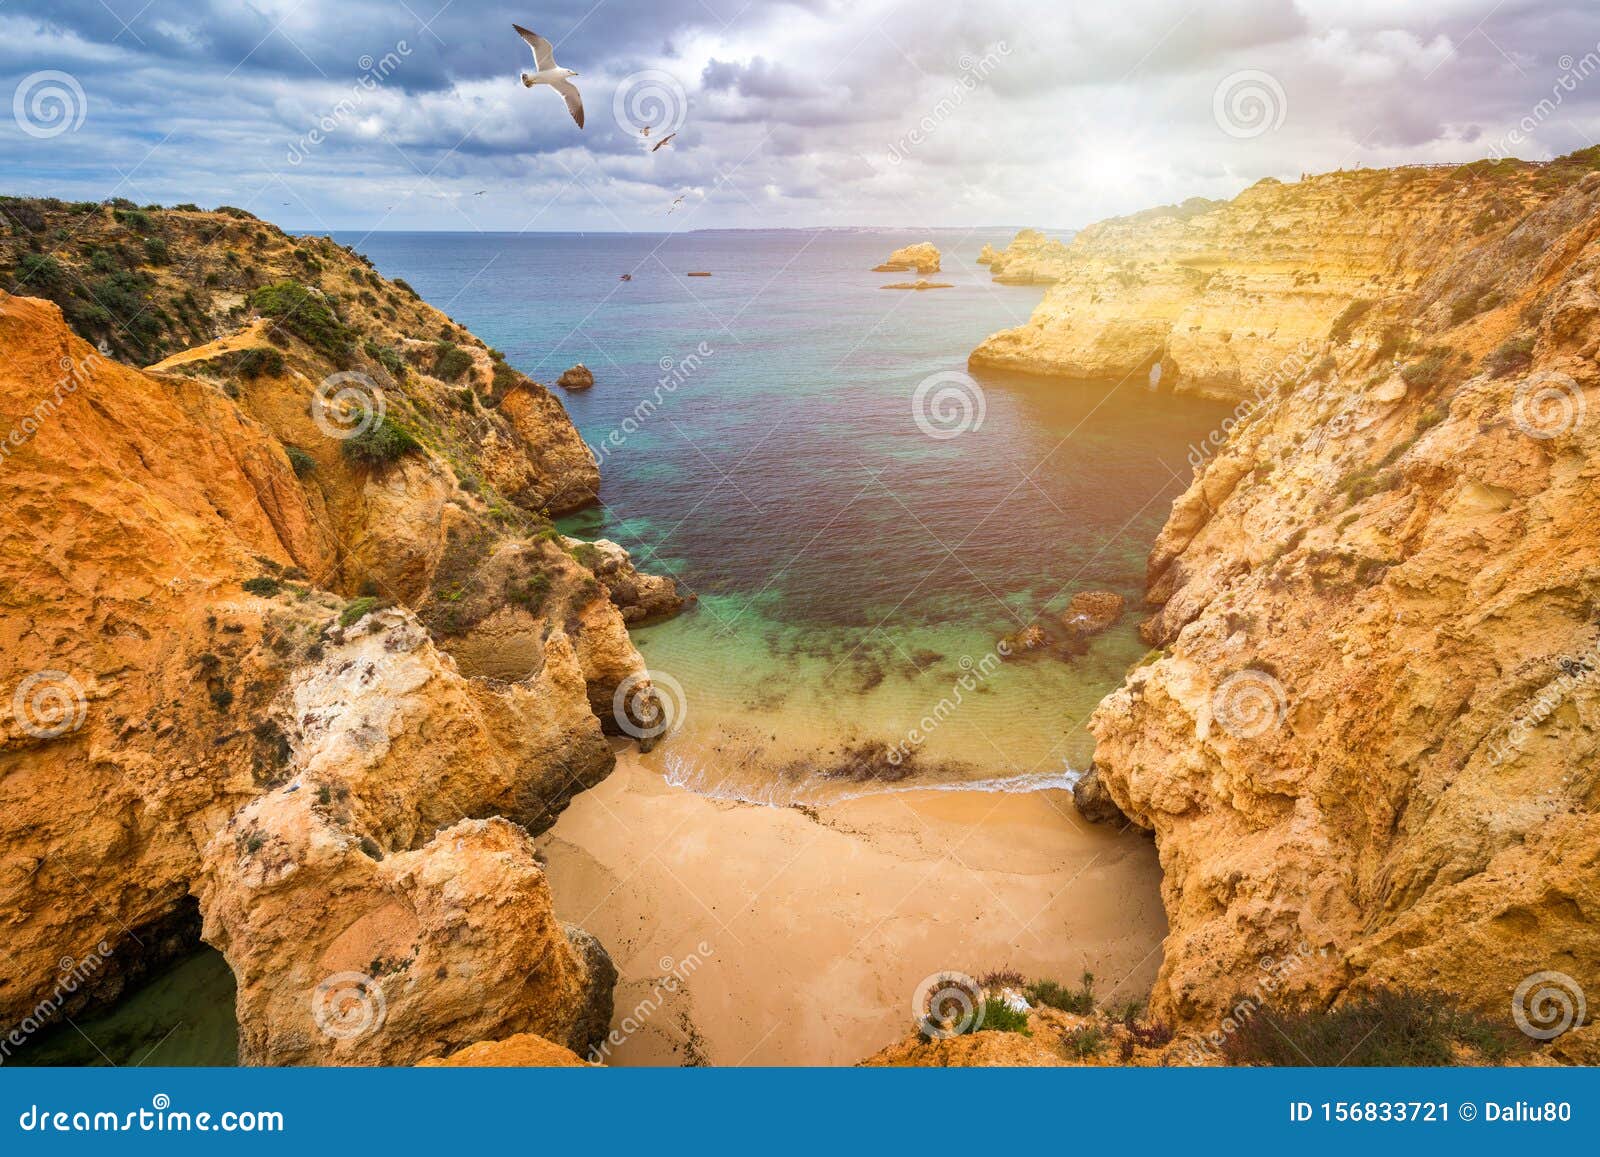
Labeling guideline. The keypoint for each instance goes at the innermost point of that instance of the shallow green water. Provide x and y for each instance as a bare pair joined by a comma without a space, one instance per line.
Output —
183,1017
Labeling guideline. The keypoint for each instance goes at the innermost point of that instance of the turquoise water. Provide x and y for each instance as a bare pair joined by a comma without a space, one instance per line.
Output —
759,440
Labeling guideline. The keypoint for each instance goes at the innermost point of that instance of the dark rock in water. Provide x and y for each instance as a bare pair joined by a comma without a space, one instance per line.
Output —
1094,802
1031,638
579,377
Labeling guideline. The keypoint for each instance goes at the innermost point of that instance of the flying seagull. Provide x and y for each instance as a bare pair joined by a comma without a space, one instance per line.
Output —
644,132
676,203
544,55
663,141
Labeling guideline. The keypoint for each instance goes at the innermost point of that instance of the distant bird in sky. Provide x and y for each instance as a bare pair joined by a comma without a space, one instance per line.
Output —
676,203
663,141
644,132
480,192
544,55
626,277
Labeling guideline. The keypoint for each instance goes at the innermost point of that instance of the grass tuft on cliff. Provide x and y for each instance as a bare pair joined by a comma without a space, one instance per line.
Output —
305,315
384,442
1387,1027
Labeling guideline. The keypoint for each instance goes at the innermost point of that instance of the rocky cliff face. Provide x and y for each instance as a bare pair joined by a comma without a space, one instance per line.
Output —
1369,733
303,648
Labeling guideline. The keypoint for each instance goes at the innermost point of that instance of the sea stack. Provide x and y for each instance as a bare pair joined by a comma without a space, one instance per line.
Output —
921,258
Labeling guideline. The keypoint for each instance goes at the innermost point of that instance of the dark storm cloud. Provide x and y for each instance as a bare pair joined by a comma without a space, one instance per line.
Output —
841,110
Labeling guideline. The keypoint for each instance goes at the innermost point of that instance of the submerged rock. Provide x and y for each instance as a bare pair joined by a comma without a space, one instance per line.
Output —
1091,612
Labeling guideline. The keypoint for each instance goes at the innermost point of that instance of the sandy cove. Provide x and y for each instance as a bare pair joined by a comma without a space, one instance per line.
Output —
755,935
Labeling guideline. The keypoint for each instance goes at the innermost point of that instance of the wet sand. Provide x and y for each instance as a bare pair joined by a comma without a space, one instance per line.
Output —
755,935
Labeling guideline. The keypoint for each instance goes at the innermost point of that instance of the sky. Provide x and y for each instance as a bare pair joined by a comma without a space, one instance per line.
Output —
408,114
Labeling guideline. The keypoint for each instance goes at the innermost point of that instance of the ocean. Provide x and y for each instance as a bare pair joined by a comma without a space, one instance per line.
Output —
857,549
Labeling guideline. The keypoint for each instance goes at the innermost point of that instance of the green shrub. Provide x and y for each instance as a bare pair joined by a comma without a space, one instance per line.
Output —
1428,370
383,442
264,586
1511,356
386,357
1063,996
402,283
1344,325
300,312
356,609
998,1016
155,251
1399,1027
1085,1041
299,461
254,363
450,361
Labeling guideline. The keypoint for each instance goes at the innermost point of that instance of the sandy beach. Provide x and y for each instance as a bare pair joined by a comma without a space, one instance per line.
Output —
757,935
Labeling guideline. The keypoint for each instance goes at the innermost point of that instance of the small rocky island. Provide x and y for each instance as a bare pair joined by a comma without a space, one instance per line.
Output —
579,377
921,258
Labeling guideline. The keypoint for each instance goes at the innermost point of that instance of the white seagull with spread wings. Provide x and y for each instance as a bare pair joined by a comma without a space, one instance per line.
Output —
544,55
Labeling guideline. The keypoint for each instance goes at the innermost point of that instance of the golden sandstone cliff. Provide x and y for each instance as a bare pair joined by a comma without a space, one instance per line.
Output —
1367,740
290,646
